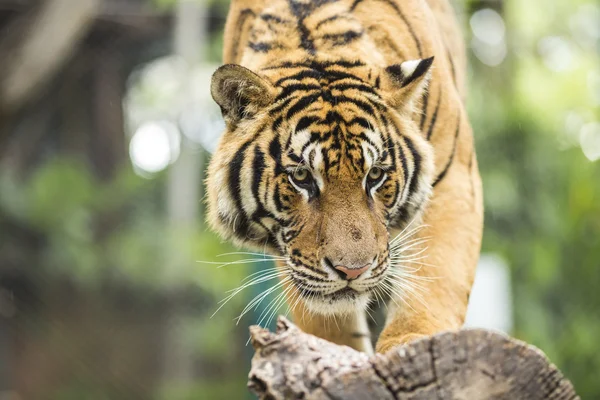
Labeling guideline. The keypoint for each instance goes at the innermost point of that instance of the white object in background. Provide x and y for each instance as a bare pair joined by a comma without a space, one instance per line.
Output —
154,146
490,303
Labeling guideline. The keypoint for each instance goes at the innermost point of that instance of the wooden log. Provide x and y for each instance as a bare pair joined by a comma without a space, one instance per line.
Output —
469,364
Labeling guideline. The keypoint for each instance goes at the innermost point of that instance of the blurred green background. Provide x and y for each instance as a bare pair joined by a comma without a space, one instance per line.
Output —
106,126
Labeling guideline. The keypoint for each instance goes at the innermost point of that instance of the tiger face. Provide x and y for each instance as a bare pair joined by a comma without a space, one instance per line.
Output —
319,162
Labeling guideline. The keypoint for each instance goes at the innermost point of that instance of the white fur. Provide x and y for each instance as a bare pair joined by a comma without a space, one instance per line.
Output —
408,67
323,306
317,165
299,139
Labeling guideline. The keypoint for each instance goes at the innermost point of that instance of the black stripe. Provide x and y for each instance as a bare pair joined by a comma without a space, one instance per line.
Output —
410,28
277,199
451,61
276,124
330,19
244,14
449,163
417,167
305,122
235,168
283,104
318,65
425,104
300,274
363,105
275,153
335,75
318,74
301,11
435,113
304,74
357,86
260,47
471,173
404,163
301,104
258,166
296,87
355,4
340,39
359,121
241,223
298,261
271,17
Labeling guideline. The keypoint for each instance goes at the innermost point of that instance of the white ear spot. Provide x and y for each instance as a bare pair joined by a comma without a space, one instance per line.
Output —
408,67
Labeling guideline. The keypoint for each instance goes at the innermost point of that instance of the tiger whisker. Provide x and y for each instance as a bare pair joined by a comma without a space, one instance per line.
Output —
403,292
409,240
279,305
403,246
293,302
264,275
394,292
411,273
224,264
370,315
401,251
413,290
255,302
404,233
244,286
401,264
262,255
402,281
267,310
410,256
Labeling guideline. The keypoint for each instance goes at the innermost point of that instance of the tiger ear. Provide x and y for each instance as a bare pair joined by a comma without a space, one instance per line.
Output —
406,81
240,93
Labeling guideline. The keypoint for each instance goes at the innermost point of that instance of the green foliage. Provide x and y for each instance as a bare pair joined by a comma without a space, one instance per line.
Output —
542,196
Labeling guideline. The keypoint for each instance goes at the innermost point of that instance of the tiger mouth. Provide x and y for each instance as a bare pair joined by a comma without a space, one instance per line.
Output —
351,290
345,293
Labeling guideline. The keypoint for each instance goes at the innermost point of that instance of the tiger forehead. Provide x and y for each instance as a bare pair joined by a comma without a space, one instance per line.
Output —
329,117
334,149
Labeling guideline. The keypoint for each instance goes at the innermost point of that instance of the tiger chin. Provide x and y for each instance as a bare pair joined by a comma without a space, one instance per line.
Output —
326,157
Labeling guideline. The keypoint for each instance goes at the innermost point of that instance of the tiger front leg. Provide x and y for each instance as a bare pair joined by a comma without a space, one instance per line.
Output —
453,228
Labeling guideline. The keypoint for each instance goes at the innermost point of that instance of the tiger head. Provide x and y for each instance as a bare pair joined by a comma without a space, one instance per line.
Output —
319,161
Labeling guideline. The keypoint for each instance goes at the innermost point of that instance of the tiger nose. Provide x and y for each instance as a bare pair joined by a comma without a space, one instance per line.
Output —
352,273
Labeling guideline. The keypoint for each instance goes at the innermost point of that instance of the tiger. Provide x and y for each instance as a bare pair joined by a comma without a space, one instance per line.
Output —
346,143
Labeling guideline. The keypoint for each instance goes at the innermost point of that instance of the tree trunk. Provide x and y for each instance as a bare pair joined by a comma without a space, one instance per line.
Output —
469,364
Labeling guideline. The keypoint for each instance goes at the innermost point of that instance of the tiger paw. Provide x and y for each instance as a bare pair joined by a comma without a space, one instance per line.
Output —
385,345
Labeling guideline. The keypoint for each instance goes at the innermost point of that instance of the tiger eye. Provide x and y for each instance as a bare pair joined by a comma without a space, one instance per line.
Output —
300,174
375,173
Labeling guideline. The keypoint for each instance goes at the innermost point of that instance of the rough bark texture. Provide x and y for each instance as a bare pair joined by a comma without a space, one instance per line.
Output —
469,364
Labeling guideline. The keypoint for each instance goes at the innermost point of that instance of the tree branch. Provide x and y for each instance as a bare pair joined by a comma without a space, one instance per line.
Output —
469,364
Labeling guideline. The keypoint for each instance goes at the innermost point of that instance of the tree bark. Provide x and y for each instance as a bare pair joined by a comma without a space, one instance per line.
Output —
469,364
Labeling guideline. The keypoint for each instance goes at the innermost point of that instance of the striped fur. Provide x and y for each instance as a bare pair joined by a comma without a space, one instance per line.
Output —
321,96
